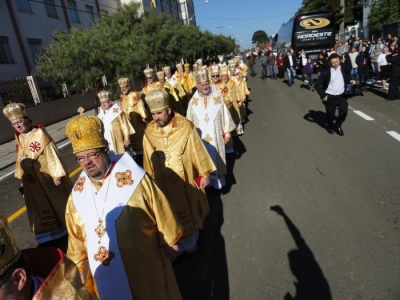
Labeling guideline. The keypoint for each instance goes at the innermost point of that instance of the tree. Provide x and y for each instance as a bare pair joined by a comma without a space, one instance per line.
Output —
383,12
260,38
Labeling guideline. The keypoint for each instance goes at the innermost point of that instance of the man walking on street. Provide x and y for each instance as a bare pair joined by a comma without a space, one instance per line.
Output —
330,87
290,66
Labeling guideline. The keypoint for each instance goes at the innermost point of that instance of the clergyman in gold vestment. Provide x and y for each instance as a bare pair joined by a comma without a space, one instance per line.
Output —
45,180
174,155
36,273
119,222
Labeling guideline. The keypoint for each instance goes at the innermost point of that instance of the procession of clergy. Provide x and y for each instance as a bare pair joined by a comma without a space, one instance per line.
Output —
140,200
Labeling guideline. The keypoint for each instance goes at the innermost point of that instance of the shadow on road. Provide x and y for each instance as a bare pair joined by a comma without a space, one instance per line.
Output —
203,275
311,282
317,117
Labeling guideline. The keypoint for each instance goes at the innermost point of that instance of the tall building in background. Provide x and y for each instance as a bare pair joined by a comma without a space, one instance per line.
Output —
26,25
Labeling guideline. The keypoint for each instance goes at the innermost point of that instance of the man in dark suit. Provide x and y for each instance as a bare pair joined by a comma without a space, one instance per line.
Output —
330,87
394,60
290,66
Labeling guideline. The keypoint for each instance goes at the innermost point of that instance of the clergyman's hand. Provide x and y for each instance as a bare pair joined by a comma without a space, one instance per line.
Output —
57,182
171,252
204,182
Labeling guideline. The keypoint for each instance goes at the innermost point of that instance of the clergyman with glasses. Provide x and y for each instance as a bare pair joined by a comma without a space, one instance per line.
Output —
45,182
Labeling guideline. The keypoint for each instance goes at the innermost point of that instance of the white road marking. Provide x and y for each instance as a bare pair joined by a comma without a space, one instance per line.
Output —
63,145
362,115
394,134
6,175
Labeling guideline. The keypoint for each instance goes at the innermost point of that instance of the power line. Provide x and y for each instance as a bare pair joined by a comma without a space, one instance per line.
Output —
267,17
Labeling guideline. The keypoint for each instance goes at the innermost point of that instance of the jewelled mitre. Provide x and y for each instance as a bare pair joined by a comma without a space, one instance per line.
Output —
148,72
85,133
104,96
223,70
160,74
157,100
9,251
214,69
202,76
123,82
187,66
195,66
14,111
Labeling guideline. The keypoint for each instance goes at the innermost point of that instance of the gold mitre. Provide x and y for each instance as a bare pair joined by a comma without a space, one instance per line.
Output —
214,69
157,100
85,133
195,66
123,82
223,70
9,251
104,96
148,72
160,74
167,69
202,76
14,111
186,65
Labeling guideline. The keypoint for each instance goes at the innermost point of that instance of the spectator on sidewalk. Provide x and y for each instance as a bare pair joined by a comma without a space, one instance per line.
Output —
302,60
362,61
394,60
271,61
290,66
374,57
280,64
263,61
251,60
321,64
353,55
309,71
383,67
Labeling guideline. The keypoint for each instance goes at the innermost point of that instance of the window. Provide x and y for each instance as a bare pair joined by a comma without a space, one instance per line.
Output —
103,12
5,51
24,6
34,46
51,9
90,12
73,13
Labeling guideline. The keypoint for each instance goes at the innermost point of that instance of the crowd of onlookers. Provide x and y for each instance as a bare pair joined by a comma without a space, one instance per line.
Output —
375,63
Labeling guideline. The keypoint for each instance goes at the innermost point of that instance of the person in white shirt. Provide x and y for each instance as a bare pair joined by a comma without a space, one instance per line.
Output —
383,67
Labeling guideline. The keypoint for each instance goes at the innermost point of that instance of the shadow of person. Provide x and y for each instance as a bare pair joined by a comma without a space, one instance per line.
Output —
203,275
230,176
317,117
311,282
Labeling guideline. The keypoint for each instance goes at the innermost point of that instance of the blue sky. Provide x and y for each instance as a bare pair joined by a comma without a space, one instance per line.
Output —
240,19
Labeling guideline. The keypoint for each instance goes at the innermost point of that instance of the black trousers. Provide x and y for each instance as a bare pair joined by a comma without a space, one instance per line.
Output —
330,106
363,73
394,84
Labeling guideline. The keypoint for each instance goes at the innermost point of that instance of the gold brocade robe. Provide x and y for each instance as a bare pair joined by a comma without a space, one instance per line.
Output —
191,81
136,113
228,92
148,88
242,92
183,79
61,276
175,156
121,130
146,224
38,163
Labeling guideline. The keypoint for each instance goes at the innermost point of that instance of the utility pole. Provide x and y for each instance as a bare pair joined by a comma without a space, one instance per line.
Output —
341,30
219,27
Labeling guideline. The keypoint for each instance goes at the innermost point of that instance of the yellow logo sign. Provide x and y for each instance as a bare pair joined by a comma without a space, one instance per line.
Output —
314,23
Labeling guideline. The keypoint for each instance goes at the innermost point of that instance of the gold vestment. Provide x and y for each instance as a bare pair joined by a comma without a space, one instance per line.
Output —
228,92
175,159
121,130
38,163
61,276
136,113
146,224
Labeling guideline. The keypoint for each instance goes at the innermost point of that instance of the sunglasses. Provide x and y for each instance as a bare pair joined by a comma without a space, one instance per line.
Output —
214,75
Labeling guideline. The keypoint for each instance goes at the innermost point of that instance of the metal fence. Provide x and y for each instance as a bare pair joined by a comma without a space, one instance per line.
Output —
16,90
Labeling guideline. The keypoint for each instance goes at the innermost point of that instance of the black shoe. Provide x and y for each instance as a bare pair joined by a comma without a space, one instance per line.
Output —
339,130
330,130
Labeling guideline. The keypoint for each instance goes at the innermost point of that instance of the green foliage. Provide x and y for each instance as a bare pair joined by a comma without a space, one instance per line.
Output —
260,38
383,12
123,45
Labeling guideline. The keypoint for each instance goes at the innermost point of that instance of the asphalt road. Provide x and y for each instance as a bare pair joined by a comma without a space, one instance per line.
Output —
308,216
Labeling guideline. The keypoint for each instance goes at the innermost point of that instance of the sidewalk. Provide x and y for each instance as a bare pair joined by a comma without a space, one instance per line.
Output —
8,153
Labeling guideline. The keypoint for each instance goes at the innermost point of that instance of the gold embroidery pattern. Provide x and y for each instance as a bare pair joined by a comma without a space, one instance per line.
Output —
195,101
79,184
217,100
31,179
208,138
124,178
104,256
